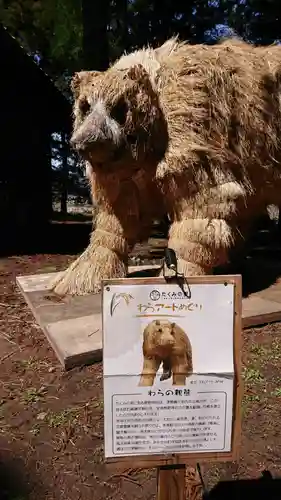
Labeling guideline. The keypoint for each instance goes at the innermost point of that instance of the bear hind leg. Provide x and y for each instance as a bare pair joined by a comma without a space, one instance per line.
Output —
200,244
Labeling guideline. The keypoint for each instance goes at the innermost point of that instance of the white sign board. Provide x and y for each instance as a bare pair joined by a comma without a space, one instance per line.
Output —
168,368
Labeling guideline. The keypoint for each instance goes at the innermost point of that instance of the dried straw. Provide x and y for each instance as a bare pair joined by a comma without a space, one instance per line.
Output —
207,122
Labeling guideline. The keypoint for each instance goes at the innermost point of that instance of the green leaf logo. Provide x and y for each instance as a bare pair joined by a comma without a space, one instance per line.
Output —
117,298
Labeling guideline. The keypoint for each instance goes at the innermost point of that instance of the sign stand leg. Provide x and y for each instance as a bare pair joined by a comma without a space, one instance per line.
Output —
171,482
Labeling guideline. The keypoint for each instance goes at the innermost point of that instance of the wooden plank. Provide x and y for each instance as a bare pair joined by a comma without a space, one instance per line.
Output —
40,282
72,325
81,340
259,311
272,293
50,309
35,282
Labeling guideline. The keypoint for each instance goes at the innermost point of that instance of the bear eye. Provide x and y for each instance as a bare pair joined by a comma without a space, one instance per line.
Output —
119,112
160,330
84,106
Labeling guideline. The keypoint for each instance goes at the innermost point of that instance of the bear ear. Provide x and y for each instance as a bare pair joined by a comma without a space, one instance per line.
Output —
79,78
76,81
173,325
139,74
157,322
167,48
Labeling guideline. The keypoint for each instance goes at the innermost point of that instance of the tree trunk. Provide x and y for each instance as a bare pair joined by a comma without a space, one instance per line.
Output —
64,176
122,23
95,17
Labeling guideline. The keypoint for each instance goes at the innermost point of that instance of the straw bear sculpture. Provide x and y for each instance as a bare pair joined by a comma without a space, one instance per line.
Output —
191,131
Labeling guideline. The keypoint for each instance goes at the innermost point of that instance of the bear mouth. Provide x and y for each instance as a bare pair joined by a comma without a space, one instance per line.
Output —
111,158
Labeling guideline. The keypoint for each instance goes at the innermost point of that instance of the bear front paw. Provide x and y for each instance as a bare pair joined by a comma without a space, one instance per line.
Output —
85,275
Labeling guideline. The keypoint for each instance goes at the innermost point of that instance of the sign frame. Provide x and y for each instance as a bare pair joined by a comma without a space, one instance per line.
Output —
158,460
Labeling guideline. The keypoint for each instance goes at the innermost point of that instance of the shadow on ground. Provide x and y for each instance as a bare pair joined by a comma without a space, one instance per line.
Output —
259,260
14,482
57,237
54,238
258,273
256,489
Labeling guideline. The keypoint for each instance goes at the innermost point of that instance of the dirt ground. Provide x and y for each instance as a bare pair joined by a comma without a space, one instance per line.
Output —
51,422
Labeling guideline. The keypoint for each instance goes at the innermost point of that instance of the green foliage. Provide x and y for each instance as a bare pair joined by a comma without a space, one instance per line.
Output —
52,29
255,20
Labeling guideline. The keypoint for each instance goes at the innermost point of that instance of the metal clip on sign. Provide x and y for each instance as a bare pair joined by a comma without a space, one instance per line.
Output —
170,259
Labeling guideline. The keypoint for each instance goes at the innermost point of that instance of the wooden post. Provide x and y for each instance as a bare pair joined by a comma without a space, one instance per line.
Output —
178,482
171,482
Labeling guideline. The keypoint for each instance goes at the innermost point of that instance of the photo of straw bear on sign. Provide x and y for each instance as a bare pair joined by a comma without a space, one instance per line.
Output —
168,367
167,343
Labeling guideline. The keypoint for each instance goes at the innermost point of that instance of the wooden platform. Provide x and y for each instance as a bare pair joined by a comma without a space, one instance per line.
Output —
72,325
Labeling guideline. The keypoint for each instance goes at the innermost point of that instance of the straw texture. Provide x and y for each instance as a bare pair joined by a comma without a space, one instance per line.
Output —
199,139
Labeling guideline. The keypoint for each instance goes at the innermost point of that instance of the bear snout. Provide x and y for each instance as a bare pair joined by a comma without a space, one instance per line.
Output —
98,136
165,340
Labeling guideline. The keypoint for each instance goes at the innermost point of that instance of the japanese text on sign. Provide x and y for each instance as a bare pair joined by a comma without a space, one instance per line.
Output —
150,308
143,424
